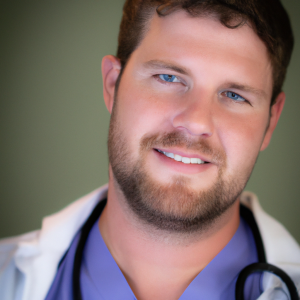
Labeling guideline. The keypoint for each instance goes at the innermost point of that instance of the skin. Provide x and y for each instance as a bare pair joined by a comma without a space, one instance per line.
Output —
209,60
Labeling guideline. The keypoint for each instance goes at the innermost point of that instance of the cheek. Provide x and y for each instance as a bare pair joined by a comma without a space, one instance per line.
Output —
138,114
142,111
241,137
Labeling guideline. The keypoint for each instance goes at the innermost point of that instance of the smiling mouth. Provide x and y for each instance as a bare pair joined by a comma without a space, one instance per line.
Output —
185,160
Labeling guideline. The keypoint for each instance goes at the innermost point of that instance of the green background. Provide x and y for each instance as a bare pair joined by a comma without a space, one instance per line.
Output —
54,123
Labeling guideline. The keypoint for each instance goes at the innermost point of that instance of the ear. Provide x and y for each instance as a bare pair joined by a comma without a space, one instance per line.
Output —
276,110
111,68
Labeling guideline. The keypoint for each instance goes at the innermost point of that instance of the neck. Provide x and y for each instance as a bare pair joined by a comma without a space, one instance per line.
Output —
160,265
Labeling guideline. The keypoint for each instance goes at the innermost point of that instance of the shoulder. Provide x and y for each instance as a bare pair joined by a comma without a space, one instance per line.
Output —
28,262
9,246
278,242
281,248
11,278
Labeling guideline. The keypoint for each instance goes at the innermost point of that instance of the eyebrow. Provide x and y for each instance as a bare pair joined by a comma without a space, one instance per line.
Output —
247,88
158,64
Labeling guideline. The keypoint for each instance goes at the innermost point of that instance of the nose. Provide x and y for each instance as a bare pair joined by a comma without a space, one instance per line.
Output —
195,116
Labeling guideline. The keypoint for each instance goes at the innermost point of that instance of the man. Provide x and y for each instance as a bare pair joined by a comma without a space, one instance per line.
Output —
194,94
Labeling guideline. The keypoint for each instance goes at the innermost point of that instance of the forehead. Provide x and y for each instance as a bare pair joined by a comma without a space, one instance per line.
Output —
203,42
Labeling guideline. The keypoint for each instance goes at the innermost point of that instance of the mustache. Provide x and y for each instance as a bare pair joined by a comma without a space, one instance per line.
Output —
179,139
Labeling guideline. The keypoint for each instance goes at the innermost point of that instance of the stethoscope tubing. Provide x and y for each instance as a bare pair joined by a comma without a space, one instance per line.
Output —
77,295
264,267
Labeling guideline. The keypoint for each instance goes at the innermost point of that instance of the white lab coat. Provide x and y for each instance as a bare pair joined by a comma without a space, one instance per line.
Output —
28,263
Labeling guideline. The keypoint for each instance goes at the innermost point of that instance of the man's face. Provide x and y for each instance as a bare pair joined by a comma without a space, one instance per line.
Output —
193,91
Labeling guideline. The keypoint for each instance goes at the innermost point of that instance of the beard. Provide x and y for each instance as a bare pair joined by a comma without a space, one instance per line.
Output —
173,206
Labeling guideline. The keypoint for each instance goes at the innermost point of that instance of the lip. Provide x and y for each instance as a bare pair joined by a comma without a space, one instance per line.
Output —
179,167
184,154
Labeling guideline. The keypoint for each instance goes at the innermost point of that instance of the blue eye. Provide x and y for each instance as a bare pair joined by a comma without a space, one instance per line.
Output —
235,96
168,78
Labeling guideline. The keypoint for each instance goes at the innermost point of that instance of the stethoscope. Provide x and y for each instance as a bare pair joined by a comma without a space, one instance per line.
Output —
261,266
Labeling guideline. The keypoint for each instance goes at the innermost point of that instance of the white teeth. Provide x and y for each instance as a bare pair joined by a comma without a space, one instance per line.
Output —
178,157
185,160
171,155
194,161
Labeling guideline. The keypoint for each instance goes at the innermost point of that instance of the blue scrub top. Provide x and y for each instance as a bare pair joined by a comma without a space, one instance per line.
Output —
101,278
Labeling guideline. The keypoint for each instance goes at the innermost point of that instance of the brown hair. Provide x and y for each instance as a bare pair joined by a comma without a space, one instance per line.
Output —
267,17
